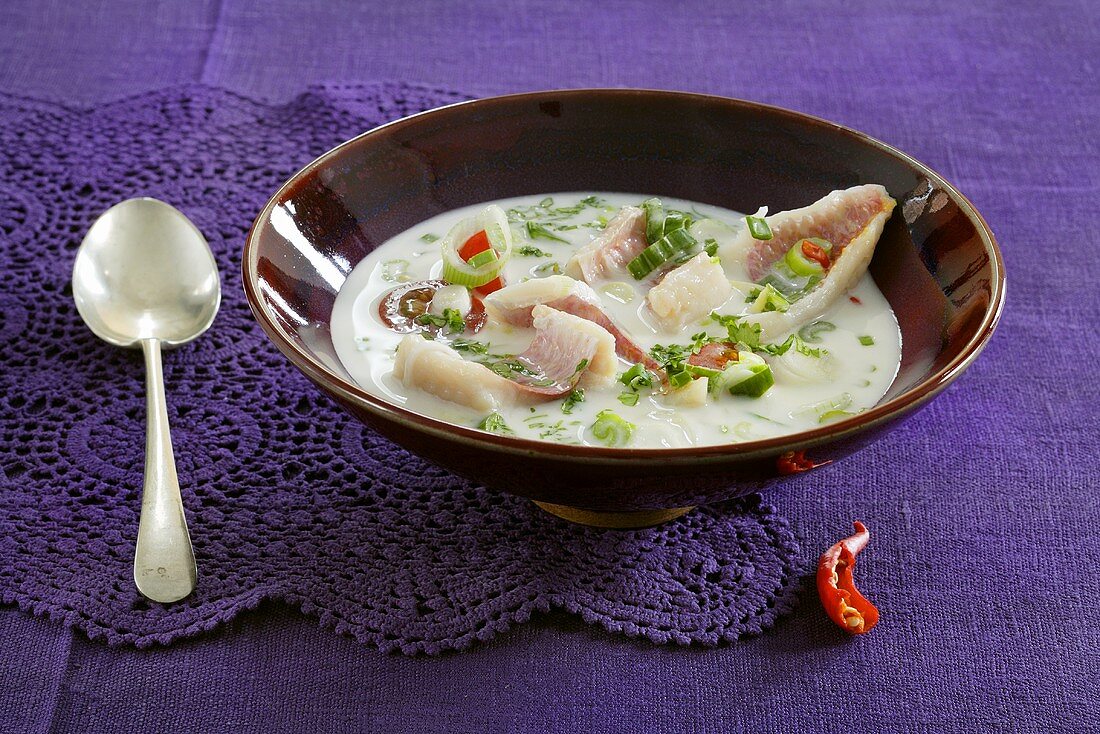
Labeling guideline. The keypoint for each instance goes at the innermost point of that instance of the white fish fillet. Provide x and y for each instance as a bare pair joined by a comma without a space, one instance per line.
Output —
438,370
852,220
512,304
619,243
563,340
689,293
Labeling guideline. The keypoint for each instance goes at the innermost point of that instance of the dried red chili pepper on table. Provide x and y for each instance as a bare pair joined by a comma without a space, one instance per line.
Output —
842,602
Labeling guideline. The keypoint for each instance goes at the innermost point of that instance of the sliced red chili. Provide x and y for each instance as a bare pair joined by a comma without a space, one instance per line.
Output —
851,611
855,300
813,251
715,355
401,307
493,285
795,462
478,243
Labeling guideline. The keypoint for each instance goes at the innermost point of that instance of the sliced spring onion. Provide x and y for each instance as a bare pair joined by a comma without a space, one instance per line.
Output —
674,221
679,379
811,333
494,223
710,246
619,291
394,271
756,384
758,228
611,430
660,252
769,299
867,341
832,415
637,377
799,264
628,398
482,258
749,375
840,402
698,371
654,220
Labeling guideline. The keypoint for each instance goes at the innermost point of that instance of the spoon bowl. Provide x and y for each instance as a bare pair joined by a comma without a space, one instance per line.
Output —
145,277
144,271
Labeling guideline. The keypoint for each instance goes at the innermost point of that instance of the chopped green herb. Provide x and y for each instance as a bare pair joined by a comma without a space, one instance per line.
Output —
572,400
469,345
494,423
867,341
536,231
611,430
429,237
509,368
580,366
739,331
710,246
451,320
546,203
529,251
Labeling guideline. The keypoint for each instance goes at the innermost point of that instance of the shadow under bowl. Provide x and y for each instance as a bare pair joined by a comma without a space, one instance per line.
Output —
937,263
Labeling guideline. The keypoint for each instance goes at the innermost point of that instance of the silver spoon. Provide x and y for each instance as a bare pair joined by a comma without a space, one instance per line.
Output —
145,277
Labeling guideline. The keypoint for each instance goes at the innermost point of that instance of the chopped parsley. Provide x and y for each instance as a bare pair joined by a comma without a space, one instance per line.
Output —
469,345
749,335
494,423
536,231
572,400
451,320
531,251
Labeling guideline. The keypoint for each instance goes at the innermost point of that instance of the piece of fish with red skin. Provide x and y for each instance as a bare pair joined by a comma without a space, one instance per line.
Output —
514,305
566,350
715,356
401,307
838,217
620,242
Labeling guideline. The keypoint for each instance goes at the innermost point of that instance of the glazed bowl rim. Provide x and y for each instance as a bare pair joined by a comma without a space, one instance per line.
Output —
909,400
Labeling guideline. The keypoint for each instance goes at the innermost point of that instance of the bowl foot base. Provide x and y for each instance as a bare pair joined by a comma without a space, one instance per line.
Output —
617,520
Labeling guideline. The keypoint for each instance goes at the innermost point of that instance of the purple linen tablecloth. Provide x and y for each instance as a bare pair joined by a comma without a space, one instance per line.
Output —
985,563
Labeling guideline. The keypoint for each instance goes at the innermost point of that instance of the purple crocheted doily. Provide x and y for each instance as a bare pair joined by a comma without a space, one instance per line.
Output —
287,497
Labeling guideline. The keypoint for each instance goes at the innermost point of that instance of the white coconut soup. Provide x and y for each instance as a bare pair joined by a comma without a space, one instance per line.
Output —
728,356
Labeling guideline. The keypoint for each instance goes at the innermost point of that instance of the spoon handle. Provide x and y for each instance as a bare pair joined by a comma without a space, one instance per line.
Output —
164,564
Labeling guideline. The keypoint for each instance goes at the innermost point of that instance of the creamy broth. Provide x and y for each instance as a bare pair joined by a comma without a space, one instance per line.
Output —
860,355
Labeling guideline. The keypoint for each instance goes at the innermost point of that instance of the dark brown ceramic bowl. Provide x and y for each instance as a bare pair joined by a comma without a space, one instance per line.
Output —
937,263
